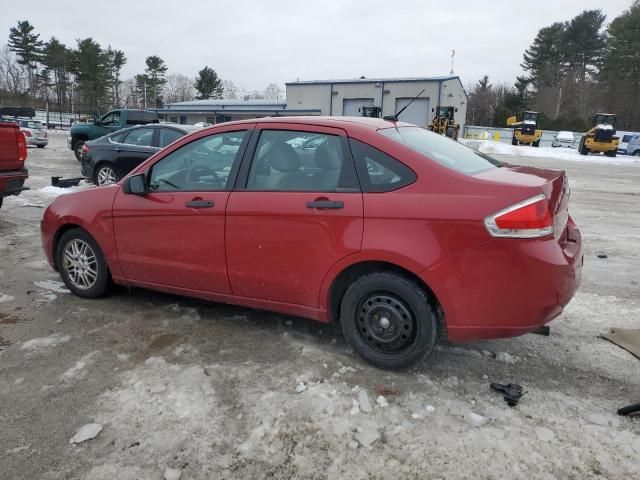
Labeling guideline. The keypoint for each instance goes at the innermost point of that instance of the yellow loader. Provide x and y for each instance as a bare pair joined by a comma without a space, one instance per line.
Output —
601,137
444,123
526,131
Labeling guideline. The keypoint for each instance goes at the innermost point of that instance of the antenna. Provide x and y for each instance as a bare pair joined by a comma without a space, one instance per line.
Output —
453,56
394,118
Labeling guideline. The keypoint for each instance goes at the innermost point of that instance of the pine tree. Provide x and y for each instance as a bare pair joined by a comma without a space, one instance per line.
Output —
56,58
621,68
92,74
155,72
544,59
115,61
208,84
28,48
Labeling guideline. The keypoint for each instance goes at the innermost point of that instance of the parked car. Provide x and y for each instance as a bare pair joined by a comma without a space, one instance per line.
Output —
564,139
110,122
34,131
111,157
633,146
403,235
625,137
13,154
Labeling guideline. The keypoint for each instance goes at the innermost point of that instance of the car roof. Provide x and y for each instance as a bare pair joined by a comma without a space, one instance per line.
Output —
336,122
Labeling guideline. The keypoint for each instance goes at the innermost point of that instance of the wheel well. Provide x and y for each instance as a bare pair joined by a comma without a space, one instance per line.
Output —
56,239
352,273
80,136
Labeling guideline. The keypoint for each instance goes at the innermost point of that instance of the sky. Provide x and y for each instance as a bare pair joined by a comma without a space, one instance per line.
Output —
257,42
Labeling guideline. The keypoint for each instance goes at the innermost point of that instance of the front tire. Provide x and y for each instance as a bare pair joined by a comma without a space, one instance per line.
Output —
388,321
514,140
536,144
611,153
81,264
583,148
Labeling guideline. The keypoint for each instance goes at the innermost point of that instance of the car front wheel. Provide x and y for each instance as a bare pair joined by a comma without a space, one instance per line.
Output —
82,265
388,321
105,175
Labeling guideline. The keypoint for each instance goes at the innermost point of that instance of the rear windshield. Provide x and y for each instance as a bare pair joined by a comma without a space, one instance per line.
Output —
443,150
32,124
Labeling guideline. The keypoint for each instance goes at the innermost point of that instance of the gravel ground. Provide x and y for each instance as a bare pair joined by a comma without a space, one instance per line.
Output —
215,391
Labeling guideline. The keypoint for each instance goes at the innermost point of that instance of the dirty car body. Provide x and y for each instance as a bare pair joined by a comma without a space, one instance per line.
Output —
13,153
402,235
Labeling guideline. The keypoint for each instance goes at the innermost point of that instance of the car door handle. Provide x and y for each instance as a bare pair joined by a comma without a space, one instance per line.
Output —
326,204
199,204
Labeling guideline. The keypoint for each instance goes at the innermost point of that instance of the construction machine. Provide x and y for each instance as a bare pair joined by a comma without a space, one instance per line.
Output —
601,137
526,131
444,123
371,111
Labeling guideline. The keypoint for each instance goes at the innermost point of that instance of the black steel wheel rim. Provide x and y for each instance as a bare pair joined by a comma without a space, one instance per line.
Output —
386,324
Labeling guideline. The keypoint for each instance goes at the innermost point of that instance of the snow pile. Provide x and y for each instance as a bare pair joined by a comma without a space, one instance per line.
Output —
50,190
4,298
52,286
498,148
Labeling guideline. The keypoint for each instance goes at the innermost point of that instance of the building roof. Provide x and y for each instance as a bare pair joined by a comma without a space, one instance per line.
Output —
226,101
233,106
375,80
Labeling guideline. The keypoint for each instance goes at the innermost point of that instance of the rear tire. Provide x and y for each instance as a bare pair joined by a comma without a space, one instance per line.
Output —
41,146
450,132
636,153
611,153
105,174
77,149
514,140
81,264
536,144
388,321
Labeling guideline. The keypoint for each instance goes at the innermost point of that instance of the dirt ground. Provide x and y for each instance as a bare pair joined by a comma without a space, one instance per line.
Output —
215,391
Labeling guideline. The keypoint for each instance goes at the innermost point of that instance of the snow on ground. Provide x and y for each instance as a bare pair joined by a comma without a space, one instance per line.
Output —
499,148
52,286
45,342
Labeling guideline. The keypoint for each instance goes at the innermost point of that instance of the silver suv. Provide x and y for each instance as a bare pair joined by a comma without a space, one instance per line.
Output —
34,131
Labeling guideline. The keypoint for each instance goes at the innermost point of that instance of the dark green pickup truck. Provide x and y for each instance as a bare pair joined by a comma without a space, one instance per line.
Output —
108,123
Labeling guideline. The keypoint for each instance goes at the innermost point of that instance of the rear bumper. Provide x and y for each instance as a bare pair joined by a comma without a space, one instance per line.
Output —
37,141
12,182
506,287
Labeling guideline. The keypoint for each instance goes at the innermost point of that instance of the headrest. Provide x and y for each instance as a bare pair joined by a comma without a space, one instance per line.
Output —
283,158
327,158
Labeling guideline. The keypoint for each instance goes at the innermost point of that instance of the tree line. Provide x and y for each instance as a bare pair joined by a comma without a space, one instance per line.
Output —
573,69
87,78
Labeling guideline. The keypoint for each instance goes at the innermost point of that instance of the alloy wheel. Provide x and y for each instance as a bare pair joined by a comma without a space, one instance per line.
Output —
80,264
106,175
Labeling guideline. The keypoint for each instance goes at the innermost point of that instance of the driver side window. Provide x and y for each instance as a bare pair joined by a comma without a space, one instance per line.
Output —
111,119
202,165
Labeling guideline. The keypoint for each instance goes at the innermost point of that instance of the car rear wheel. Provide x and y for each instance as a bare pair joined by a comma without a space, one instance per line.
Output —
77,149
636,153
388,321
82,265
41,146
105,175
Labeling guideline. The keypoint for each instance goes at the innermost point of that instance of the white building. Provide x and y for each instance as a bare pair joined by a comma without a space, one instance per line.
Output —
334,97
346,97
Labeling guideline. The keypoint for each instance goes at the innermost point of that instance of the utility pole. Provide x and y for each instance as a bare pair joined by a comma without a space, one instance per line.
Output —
453,55
145,93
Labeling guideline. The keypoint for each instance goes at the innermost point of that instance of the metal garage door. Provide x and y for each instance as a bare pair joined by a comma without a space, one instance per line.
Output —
417,113
351,106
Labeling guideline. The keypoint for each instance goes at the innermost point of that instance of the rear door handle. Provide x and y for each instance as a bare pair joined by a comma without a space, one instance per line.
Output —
326,204
199,204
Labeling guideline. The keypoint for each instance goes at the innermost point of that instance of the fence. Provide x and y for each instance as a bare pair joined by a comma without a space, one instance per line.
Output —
504,135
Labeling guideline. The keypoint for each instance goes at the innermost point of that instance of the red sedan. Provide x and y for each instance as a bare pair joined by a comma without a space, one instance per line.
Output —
402,235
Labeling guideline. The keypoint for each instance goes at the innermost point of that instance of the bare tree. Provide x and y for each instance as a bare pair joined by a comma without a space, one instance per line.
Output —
273,92
179,88
13,76
130,93
231,92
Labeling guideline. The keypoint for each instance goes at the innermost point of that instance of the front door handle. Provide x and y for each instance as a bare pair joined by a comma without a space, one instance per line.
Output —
325,204
199,204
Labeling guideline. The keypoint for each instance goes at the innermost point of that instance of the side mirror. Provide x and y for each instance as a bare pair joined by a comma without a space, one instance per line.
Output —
136,185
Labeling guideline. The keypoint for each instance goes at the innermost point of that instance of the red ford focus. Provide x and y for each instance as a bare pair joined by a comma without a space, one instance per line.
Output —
402,235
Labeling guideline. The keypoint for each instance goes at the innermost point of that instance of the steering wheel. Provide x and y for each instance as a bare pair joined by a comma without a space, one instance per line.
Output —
195,174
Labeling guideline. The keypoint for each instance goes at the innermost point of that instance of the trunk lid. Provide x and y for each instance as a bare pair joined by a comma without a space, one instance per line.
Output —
9,151
552,183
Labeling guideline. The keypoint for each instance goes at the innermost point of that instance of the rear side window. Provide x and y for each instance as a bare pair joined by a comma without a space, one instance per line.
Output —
378,172
117,138
289,160
169,135
141,137
141,118
443,150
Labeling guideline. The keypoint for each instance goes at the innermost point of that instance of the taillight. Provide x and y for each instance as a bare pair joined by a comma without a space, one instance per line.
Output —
22,146
85,148
531,218
27,133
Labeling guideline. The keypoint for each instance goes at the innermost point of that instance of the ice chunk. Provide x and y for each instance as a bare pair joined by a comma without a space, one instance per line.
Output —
382,402
476,420
172,474
87,432
545,434
363,400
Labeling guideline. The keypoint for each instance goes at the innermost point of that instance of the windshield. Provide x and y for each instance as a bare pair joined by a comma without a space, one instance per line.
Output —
530,117
443,150
443,112
605,120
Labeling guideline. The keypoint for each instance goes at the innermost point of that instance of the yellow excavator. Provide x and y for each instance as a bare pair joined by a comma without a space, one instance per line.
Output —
601,137
526,131
444,123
